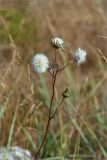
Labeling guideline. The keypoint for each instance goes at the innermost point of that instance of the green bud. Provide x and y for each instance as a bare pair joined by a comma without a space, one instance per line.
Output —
66,93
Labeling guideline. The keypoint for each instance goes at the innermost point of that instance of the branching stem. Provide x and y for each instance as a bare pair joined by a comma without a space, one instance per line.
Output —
57,108
49,117
65,66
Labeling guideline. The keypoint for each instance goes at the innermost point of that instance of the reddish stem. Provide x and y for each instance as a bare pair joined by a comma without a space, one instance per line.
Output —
49,117
65,66
57,108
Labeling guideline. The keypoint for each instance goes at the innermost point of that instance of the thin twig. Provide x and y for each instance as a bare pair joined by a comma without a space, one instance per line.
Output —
50,73
49,117
65,66
58,107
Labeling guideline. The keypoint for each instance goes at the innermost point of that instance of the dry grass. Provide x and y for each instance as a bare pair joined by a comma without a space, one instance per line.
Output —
79,130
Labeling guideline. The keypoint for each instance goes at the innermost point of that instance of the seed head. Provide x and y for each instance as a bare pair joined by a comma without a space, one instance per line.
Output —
80,56
57,42
40,63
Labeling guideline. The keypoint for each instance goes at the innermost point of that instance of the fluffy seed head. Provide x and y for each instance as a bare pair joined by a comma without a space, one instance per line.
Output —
80,56
40,63
57,42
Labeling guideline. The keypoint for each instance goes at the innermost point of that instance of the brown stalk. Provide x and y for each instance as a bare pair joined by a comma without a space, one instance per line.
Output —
57,108
66,65
49,116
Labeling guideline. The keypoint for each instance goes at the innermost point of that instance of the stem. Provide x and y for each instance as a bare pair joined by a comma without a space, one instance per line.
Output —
57,108
50,73
65,66
49,117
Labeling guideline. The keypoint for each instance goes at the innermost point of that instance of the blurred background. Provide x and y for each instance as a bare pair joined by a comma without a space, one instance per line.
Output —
79,130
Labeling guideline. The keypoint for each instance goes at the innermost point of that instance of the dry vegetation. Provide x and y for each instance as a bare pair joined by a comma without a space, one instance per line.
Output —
81,128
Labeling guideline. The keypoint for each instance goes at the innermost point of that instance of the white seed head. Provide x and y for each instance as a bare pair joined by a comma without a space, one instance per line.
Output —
57,42
80,56
40,63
